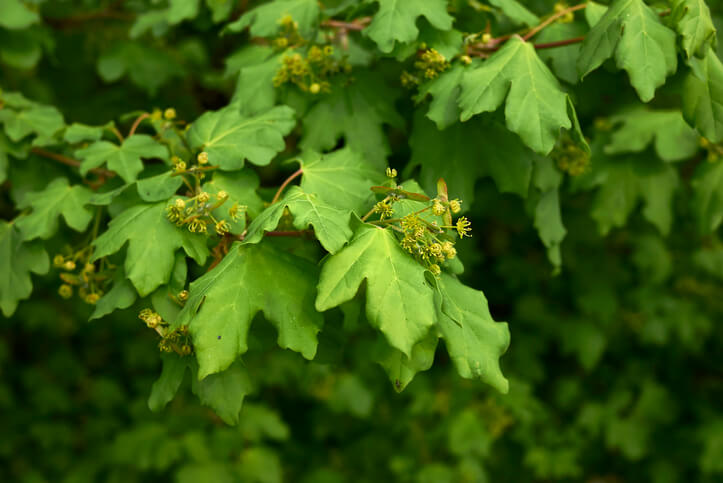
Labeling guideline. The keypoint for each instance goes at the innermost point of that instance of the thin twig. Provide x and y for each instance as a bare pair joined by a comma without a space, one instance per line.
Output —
137,122
551,19
299,233
71,162
358,24
559,43
293,176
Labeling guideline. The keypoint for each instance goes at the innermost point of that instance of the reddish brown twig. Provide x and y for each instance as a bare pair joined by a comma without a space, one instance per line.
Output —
357,24
71,162
293,176
137,123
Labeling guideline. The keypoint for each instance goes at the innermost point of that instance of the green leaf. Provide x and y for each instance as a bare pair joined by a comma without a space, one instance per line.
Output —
399,300
562,60
120,296
124,159
341,178
152,244
256,66
641,44
444,90
180,10
168,383
148,68
548,218
240,186
77,132
251,278
59,198
43,121
703,96
229,137
356,112
674,140
159,187
15,14
536,106
516,12
264,20
465,152
626,182
220,9
331,225
9,148
475,342
18,259
401,369
395,21
693,23
707,184
224,392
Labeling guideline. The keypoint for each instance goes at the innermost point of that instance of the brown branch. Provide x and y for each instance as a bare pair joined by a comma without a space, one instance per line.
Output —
357,25
137,122
551,19
299,233
559,43
293,176
71,162
108,13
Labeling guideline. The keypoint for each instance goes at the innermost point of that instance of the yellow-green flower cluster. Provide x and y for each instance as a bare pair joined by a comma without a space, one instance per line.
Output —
428,66
289,35
310,73
196,213
571,158
715,151
172,340
86,280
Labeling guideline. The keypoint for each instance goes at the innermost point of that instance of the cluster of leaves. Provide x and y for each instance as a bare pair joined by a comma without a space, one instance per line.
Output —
545,126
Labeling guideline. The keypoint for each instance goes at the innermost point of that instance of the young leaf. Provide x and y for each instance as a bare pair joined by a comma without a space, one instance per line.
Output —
341,178
331,225
229,137
536,106
251,278
703,96
674,140
124,159
59,198
642,46
18,259
692,20
264,19
152,244
475,342
224,392
399,301
707,186
395,21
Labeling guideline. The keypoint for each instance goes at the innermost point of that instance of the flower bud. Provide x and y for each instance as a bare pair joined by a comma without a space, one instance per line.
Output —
202,157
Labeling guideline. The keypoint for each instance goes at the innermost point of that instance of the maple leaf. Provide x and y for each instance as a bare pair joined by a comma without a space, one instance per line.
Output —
703,96
251,279
475,342
548,218
641,44
230,137
159,187
399,300
59,198
18,260
357,113
673,138
43,121
536,107
395,21
692,20
401,369
124,159
341,178
516,12
152,244
331,225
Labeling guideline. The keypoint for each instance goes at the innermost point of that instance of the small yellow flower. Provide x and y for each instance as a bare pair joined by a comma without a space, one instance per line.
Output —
434,268
222,195
197,226
183,295
235,211
384,209
89,268
454,205
145,314
58,261
69,265
438,208
314,88
169,114
449,251
391,173
153,321
203,197
202,157
435,249
222,227
463,227
92,298
179,167
186,349
65,291
179,203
